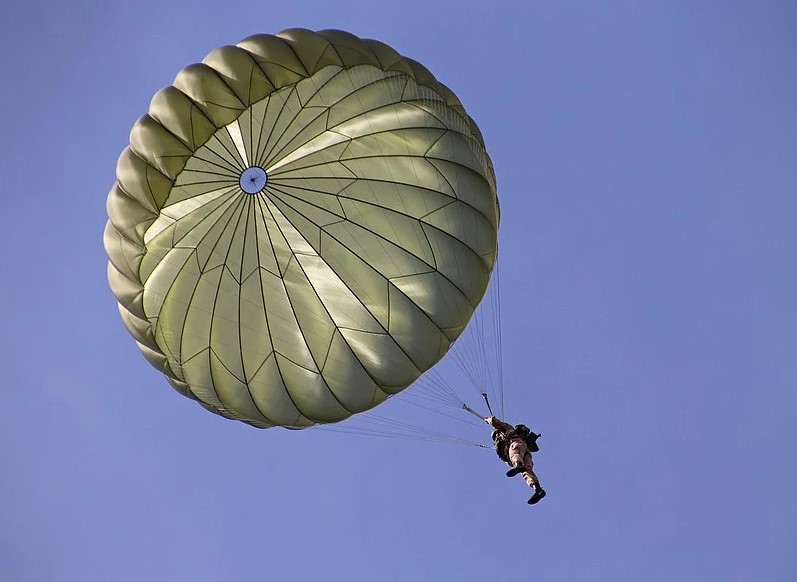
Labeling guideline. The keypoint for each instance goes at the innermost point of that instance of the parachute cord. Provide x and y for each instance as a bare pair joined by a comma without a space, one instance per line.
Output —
478,351
468,409
470,373
458,419
452,398
389,435
433,381
376,425
499,354
485,363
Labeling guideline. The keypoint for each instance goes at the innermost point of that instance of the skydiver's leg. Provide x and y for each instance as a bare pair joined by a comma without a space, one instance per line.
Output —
517,453
528,472
531,480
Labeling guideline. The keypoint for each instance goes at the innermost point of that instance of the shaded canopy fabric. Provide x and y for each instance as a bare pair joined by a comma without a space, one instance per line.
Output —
301,226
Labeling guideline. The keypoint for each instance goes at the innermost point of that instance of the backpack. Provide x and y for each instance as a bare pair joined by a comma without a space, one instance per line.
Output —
502,442
528,436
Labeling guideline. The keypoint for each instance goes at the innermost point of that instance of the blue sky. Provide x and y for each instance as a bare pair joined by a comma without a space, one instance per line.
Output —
646,155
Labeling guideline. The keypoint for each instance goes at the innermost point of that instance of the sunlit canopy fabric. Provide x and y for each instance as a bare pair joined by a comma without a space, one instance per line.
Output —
301,226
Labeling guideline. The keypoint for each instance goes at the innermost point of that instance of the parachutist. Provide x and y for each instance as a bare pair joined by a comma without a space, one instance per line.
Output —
514,445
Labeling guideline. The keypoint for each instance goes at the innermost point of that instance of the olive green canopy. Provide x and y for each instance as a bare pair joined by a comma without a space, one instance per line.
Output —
301,226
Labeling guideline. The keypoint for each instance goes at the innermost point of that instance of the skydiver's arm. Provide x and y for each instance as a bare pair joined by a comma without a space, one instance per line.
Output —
499,425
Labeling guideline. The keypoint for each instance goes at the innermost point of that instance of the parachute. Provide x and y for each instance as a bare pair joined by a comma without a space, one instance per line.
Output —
301,226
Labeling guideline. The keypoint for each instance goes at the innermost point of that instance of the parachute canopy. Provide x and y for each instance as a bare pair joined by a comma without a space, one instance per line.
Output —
301,226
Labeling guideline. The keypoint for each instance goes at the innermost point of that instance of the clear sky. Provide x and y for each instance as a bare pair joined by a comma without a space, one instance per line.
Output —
646,155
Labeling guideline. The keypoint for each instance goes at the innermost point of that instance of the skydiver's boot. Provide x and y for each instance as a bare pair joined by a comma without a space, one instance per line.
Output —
539,493
517,469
